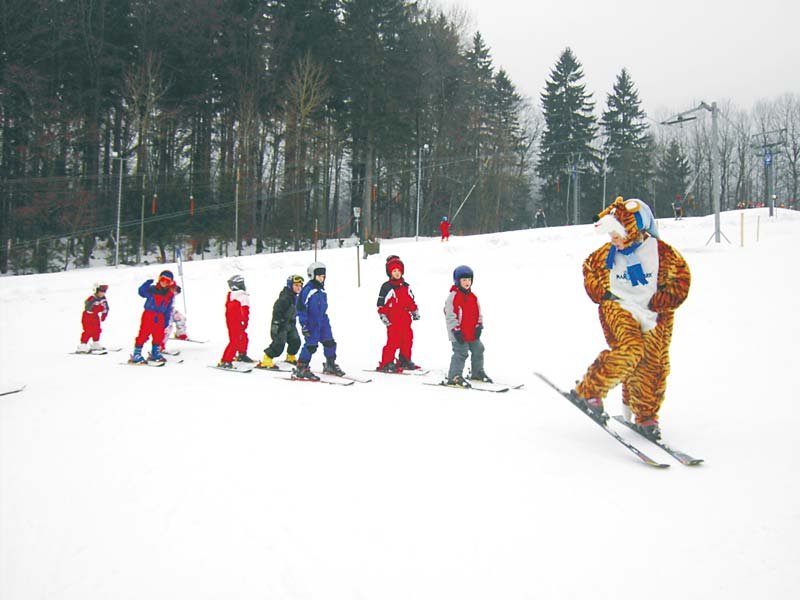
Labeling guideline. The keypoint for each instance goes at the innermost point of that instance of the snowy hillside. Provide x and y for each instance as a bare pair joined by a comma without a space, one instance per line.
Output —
119,482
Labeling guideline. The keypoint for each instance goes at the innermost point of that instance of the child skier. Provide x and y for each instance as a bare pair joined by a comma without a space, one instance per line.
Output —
237,317
283,329
155,318
312,312
462,313
396,309
444,228
637,281
95,310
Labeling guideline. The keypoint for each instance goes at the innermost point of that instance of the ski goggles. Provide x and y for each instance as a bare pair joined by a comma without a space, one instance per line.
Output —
297,279
165,281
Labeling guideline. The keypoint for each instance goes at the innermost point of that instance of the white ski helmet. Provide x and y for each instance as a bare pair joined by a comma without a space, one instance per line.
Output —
315,268
236,283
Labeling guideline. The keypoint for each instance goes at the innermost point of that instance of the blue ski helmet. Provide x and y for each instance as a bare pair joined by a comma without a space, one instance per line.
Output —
462,271
292,279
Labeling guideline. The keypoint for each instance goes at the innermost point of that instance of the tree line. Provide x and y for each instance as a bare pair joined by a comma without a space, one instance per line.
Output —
267,122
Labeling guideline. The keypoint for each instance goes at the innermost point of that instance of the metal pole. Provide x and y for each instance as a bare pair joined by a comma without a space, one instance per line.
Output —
119,211
236,219
141,222
605,169
715,183
419,177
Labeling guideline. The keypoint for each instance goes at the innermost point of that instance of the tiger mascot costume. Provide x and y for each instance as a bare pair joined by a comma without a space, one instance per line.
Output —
637,281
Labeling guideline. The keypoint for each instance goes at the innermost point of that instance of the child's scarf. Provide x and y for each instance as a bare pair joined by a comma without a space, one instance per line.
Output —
635,271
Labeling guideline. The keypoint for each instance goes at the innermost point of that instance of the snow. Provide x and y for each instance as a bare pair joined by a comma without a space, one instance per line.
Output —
188,482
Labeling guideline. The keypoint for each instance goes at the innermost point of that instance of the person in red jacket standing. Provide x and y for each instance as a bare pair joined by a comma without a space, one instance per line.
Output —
95,310
444,227
396,309
237,316
462,313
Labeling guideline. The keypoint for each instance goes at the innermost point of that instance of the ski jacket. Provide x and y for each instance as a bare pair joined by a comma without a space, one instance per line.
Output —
284,311
396,301
237,310
158,299
462,312
96,307
665,271
312,307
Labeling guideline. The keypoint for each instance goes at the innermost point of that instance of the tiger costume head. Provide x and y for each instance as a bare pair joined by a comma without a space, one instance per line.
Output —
628,219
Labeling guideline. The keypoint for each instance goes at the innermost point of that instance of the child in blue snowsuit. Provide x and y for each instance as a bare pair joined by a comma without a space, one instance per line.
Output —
312,313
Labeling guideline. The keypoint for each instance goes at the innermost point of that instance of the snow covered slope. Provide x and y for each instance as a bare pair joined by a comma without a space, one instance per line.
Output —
187,482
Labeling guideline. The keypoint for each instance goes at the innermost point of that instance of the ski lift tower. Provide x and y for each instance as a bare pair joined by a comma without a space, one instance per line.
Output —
715,184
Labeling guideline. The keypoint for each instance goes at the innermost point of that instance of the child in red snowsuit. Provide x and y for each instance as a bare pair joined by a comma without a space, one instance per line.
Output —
155,318
396,309
444,227
237,317
95,309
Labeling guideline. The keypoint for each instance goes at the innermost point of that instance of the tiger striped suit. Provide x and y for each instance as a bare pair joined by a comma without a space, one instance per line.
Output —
637,324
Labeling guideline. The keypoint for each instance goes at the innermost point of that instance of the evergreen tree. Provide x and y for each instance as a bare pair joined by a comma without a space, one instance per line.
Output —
570,127
672,177
627,143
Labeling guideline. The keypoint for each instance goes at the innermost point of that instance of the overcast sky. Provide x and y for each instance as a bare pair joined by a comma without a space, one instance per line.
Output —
677,52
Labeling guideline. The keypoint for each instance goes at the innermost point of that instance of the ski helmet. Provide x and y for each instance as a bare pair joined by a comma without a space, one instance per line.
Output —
393,262
292,279
444,218
314,269
460,272
236,283
168,274
99,287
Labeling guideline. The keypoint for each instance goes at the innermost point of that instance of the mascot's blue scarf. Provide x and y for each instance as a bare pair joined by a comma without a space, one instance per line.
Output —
635,271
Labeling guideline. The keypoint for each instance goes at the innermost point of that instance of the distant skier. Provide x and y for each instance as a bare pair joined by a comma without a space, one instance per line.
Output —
283,328
155,318
312,312
677,207
462,314
95,310
539,218
444,228
638,281
396,309
237,317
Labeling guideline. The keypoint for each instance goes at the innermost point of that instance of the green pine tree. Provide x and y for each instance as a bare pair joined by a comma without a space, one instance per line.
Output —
672,177
570,127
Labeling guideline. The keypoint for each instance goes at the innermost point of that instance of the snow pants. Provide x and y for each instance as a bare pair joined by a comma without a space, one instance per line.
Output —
461,351
320,333
286,336
237,341
638,360
152,325
399,336
91,327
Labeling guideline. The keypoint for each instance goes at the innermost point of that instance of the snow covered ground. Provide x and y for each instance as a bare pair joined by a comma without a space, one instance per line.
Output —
188,482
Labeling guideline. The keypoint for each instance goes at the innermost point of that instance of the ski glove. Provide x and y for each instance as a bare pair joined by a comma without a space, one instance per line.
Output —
458,335
478,331
415,315
384,319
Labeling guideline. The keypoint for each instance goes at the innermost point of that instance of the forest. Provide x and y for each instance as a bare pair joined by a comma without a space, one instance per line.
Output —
264,125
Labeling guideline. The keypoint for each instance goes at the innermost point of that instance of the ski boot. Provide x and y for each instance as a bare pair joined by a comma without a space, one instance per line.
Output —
591,406
301,371
155,355
242,357
137,358
389,367
96,347
82,349
457,381
266,362
331,368
648,427
224,364
406,364
291,359
480,376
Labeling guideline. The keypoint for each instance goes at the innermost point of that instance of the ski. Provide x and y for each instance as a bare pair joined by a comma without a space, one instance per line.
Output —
480,387
192,340
403,372
640,455
328,381
170,352
13,390
152,363
275,369
347,377
234,369
681,457
91,353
